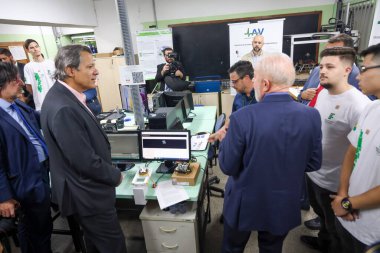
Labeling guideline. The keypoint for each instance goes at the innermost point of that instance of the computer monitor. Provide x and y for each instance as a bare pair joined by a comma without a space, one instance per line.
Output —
173,97
179,116
125,145
166,145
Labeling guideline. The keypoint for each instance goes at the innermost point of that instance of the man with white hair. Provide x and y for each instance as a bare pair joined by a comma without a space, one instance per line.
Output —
266,158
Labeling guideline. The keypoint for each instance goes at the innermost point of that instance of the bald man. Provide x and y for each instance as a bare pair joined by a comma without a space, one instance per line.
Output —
257,50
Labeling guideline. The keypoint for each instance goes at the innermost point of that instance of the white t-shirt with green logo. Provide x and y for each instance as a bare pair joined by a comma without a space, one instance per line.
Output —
339,114
40,75
366,173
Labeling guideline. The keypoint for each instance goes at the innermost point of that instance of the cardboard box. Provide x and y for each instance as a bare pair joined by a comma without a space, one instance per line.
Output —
187,179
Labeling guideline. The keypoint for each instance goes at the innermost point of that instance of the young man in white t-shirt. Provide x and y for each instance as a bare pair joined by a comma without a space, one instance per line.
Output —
357,203
339,105
39,73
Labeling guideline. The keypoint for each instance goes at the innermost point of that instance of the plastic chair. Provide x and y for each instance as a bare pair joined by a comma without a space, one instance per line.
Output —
213,156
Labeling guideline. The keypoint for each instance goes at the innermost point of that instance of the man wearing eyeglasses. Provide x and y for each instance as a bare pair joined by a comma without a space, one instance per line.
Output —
241,76
171,68
357,204
339,105
24,179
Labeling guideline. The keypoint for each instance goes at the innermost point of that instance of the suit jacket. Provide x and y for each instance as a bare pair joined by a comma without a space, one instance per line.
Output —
20,172
267,149
160,78
82,177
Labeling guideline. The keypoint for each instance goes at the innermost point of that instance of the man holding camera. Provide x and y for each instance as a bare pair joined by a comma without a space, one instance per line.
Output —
171,68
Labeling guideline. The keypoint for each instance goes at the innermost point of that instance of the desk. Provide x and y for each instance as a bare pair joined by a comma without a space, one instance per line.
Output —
204,121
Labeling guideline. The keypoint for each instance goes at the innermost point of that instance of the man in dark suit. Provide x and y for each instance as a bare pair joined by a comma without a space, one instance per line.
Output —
172,69
24,180
267,149
82,176
25,96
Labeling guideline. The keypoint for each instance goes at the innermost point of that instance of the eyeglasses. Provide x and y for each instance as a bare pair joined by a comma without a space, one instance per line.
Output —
235,81
364,68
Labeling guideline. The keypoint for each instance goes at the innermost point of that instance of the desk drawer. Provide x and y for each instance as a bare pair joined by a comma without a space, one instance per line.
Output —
166,236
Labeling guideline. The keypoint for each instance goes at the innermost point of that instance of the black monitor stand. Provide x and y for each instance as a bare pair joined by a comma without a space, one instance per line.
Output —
166,167
188,120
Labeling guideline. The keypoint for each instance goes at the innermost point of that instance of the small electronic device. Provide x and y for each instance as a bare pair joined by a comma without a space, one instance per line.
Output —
141,177
183,168
165,145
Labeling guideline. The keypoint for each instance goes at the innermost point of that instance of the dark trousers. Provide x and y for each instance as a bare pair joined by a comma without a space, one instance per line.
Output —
234,241
305,204
35,224
350,244
102,232
320,200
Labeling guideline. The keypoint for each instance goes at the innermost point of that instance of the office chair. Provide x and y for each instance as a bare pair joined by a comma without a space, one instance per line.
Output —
213,156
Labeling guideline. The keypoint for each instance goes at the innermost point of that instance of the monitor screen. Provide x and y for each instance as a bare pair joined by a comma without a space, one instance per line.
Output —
165,145
173,97
125,145
186,106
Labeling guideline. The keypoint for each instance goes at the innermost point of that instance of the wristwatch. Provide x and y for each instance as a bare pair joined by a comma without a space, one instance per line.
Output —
346,204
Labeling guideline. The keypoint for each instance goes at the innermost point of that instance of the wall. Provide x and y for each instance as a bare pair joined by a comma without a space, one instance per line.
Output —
169,12
47,12
42,34
141,15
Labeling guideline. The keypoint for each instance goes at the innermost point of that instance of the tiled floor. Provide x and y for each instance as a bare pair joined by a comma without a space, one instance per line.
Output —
135,237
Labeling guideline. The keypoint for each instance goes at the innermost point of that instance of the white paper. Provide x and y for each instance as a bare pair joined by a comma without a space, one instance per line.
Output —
169,194
199,142
132,75
17,52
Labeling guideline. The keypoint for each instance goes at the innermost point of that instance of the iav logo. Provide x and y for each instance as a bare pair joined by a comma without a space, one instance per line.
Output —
254,32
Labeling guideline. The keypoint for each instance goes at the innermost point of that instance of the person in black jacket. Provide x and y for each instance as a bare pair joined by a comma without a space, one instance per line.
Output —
171,68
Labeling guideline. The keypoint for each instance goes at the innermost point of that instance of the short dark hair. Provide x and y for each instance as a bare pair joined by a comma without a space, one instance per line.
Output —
27,43
242,68
346,39
166,49
345,53
68,56
374,50
8,73
6,52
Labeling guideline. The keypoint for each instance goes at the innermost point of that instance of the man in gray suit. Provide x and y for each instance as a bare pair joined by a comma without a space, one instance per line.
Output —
82,177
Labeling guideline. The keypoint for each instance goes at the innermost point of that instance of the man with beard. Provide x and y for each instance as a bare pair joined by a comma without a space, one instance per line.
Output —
241,75
266,152
257,50
339,105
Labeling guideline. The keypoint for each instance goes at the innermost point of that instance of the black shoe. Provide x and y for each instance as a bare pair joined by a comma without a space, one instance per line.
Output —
310,241
313,224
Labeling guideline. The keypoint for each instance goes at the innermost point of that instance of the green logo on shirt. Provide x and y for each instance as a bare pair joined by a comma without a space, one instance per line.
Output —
331,116
38,79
